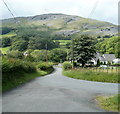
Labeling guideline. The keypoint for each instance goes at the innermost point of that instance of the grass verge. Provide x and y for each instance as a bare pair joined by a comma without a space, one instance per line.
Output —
23,79
85,74
109,103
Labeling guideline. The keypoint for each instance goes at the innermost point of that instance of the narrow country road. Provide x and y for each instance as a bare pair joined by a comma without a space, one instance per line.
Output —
56,93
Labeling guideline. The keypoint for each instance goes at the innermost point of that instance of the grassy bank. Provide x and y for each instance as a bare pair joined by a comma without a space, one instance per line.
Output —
23,78
109,103
85,74
16,72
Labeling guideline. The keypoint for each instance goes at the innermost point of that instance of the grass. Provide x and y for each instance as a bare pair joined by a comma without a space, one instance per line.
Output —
85,74
23,79
8,35
63,41
4,50
109,103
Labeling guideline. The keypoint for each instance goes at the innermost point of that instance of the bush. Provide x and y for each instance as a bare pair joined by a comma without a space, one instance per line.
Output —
67,65
15,54
29,58
58,55
13,68
15,65
45,66
6,42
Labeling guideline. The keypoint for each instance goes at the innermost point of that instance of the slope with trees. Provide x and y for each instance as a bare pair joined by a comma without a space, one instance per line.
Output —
110,46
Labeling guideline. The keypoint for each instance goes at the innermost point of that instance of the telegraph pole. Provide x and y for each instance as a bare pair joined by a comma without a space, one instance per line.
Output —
72,53
46,52
67,56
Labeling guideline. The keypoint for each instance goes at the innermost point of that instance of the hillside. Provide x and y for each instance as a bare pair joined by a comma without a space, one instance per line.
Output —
64,25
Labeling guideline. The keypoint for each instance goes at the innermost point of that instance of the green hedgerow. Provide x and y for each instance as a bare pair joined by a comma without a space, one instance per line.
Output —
14,68
45,66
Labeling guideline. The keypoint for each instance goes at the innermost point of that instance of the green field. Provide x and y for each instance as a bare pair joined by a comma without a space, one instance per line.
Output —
8,35
4,50
63,42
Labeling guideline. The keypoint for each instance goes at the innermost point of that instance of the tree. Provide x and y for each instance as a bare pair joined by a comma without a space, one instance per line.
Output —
98,63
68,45
6,42
110,46
109,63
15,54
84,49
40,55
6,30
20,45
58,55
29,58
117,50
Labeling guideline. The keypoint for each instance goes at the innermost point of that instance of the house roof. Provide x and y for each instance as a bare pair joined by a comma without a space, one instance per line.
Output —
98,56
109,57
104,57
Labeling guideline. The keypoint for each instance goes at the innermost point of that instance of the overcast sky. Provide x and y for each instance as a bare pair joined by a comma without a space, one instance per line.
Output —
105,10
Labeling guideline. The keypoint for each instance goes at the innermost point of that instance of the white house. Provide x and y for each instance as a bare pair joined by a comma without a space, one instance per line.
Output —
105,58
116,61
109,58
98,56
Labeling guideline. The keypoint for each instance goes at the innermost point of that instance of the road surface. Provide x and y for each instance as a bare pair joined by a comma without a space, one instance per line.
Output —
56,93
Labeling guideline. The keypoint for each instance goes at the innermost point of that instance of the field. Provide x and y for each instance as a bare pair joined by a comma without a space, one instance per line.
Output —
63,42
93,75
4,50
8,35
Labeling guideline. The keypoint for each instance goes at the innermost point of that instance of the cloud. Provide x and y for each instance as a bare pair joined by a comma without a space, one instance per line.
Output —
106,10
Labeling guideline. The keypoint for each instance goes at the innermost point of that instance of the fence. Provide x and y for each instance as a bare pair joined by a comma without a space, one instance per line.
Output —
108,69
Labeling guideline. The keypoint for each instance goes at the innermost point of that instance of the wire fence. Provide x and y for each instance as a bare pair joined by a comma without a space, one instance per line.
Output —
115,70
107,70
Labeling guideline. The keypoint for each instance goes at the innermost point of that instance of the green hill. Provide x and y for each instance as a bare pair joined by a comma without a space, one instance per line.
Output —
62,24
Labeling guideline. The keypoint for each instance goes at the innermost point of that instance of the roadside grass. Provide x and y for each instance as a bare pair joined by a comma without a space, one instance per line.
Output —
109,103
4,50
23,78
86,74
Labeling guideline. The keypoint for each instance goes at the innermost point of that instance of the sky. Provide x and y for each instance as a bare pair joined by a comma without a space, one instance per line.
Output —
104,10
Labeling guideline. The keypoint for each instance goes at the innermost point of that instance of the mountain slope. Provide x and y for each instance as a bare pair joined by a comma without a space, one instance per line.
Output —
65,24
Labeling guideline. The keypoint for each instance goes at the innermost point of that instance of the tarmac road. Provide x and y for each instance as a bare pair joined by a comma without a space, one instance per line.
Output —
56,93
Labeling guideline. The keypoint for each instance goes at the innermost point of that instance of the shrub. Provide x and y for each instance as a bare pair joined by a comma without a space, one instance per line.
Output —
67,65
16,65
29,58
14,68
45,66
40,55
15,54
